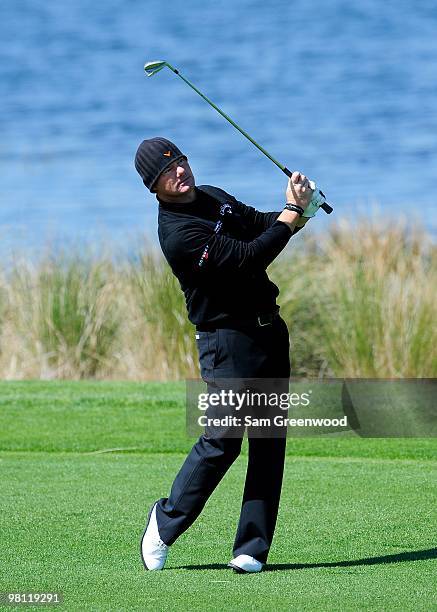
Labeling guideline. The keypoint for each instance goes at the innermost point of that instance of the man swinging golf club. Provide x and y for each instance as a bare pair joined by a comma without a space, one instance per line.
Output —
219,250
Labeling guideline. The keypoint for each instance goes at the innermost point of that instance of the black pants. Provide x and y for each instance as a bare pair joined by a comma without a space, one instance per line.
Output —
252,353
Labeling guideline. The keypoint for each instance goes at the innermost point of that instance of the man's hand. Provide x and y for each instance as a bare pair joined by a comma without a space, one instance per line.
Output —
298,190
300,193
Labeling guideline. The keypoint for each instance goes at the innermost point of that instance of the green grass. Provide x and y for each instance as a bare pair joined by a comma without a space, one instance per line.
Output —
355,529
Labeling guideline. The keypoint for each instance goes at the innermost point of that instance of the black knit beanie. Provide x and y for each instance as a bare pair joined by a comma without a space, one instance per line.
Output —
152,158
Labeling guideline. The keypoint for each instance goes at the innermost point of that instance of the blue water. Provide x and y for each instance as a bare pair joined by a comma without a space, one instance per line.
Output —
344,91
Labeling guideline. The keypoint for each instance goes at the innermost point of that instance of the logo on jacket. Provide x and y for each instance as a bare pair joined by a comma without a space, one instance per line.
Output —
225,209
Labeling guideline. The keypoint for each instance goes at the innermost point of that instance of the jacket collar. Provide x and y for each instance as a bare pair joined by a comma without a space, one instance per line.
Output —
182,208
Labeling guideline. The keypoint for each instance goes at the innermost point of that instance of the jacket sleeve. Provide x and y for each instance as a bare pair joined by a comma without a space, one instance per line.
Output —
227,253
260,221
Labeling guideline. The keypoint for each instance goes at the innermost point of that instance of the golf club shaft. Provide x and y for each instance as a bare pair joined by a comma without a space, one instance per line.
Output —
328,209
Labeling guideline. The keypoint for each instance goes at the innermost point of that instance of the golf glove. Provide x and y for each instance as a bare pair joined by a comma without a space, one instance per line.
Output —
316,201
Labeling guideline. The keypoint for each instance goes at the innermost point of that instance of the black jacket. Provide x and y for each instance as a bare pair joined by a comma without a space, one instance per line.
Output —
231,283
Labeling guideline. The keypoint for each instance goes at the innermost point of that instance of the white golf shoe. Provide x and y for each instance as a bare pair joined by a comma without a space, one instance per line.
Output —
153,550
245,564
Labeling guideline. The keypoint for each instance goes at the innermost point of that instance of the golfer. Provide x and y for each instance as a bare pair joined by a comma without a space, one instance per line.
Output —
219,250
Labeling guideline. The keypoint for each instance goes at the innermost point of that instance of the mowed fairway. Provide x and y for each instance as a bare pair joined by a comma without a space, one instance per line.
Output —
356,529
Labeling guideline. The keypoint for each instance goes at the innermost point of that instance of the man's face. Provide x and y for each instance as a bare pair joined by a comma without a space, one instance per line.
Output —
176,180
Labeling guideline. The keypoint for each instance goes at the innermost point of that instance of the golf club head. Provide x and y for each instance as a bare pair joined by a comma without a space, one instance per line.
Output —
152,68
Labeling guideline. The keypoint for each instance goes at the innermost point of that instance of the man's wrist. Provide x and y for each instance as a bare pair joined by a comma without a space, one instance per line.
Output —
294,207
289,217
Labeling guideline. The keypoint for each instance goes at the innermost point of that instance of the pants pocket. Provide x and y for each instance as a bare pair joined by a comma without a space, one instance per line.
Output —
207,347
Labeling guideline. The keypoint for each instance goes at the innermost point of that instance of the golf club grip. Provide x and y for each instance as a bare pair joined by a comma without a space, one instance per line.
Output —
328,209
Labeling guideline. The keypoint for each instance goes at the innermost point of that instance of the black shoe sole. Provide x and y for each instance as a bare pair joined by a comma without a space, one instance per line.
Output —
240,570
237,570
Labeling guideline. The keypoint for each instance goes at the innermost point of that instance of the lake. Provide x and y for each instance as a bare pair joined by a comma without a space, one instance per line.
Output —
345,92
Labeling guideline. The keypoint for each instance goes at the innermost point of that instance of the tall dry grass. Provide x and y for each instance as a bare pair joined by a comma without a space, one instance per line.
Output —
363,303
359,301
60,319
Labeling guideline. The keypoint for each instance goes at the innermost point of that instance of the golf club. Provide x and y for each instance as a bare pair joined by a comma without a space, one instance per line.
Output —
152,68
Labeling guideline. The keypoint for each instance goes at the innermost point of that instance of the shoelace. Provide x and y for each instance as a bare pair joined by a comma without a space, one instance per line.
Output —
160,544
